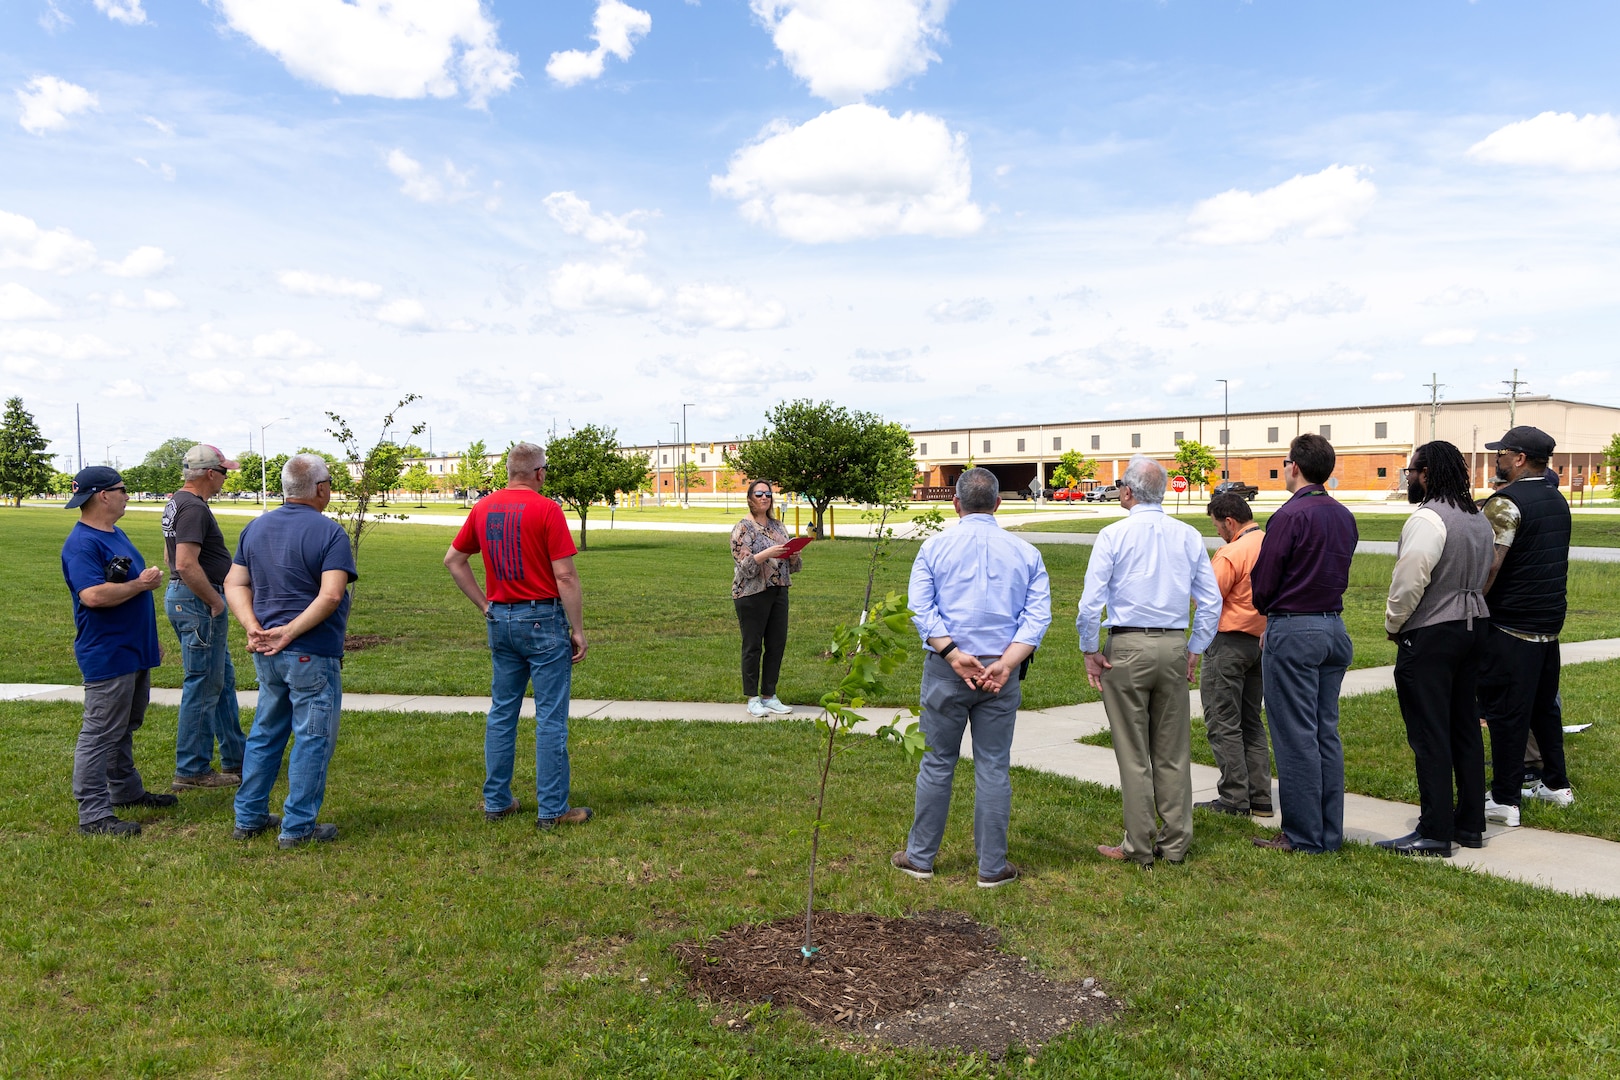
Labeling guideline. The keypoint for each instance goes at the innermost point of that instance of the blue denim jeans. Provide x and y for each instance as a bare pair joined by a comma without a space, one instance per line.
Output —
208,710
300,695
1305,660
528,642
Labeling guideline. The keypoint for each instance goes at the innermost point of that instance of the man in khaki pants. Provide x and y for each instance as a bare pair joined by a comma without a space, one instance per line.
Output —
1144,570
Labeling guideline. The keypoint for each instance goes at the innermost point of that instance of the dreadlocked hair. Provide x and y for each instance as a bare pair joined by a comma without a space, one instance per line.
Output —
1449,480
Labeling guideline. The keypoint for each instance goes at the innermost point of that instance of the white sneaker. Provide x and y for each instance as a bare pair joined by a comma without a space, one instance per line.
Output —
1502,815
774,704
1557,796
757,707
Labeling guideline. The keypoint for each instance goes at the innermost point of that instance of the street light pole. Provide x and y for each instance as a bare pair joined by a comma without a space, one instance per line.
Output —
1226,412
675,464
264,459
687,500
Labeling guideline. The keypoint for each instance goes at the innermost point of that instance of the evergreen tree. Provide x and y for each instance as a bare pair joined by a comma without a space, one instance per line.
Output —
25,467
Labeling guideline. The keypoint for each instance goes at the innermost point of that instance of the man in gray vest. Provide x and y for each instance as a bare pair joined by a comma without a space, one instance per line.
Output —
1527,595
1435,597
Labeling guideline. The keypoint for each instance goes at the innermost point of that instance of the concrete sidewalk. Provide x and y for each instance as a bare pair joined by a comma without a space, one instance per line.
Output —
1046,739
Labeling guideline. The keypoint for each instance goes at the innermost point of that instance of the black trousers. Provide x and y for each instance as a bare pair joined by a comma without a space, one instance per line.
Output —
763,618
1436,668
1518,688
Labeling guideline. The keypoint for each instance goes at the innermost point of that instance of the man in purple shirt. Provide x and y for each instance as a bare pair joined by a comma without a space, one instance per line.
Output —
1298,583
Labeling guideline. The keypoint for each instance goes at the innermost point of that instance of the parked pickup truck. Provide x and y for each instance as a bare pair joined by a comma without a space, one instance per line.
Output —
1236,487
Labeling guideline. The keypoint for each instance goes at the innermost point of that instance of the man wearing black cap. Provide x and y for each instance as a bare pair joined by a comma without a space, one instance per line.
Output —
1526,593
116,645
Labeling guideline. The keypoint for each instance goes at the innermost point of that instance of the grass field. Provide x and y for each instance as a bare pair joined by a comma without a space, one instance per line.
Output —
1587,530
658,615
425,943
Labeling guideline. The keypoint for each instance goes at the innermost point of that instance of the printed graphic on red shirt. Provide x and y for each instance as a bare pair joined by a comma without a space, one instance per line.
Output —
519,533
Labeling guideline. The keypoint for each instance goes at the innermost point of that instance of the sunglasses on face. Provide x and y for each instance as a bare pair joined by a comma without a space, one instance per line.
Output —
760,494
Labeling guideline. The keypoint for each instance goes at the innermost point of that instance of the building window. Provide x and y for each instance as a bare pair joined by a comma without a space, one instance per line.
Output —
1096,442
1180,437
703,459
1225,436
666,459
1057,443
1136,440
1020,446
1382,472
1326,431
953,446
1223,474
1274,471
922,449
987,446
1381,430
1271,435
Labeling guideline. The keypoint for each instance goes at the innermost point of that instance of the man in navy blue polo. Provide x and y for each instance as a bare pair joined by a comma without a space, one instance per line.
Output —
288,587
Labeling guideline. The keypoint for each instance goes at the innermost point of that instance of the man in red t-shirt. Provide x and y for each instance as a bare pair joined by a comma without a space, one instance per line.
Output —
531,602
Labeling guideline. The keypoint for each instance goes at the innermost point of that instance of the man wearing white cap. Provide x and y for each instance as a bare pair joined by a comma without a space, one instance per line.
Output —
195,602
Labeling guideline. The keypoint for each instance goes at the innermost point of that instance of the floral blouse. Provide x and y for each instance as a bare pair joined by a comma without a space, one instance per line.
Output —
749,539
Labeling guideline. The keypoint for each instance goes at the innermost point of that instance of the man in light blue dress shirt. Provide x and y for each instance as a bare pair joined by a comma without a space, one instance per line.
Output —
982,604
1145,570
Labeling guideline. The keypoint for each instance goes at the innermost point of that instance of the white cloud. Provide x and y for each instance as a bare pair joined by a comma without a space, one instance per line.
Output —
385,48
854,173
1456,335
427,187
1091,370
234,381
1181,385
342,376
724,307
1319,205
128,12
1575,380
17,302
53,18
46,345
162,168
847,49
127,389
283,344
574,215
150,300
615,28
406,314
142,262
731,373
1388,376
1454,296
1589,143
1267,306
304,283
885,366
1169,321
602,287
973,309
47,102
166,128
24,245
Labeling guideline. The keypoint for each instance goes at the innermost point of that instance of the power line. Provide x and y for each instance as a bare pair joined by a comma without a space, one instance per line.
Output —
1512,394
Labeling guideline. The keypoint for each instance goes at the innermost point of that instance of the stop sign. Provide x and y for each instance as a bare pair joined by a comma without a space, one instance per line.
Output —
1178,484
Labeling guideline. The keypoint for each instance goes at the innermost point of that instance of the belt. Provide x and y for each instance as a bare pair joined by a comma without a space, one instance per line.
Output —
1145,629
1303,615
549,602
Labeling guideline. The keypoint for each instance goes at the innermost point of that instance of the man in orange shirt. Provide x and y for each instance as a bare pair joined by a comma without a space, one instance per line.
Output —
1231,685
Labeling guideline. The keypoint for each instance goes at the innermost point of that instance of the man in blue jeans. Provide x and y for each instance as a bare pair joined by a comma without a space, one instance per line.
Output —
288,587
195,602
535,616
1298,584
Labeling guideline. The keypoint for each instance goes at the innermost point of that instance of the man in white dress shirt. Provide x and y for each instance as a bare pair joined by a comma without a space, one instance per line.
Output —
982,602
1145,570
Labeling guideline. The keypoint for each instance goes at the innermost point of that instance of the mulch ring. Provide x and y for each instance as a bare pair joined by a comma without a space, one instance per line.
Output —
935,979
362,642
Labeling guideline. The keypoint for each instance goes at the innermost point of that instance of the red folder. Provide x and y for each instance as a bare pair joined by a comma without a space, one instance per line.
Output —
797,544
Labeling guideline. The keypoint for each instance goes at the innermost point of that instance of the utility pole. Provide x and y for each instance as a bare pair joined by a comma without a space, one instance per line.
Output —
1434,384
78,430
675,462
1226,413
686,491
1513,385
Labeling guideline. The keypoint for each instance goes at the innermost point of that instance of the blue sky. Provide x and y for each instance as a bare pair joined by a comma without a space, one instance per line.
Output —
214,214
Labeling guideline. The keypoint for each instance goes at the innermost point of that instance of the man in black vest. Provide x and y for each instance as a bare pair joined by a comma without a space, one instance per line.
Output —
1526,593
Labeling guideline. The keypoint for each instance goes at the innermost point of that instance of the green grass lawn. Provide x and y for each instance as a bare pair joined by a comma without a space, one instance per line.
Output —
658,609
1588,530
426,943
1378,760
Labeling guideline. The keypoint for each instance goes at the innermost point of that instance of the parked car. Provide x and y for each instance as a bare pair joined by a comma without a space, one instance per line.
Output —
1236,487
1103,494
1067,495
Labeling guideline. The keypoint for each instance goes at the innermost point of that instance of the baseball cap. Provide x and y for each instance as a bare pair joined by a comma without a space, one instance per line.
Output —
91,480
1532,442
203,456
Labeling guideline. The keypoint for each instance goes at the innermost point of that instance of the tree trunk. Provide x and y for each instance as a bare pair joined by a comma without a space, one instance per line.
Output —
583,511
820,511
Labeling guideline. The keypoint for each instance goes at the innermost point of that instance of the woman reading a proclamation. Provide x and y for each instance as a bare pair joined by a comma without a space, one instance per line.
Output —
759,589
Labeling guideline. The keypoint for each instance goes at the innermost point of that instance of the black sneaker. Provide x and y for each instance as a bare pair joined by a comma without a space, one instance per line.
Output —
320,834
111,826
152,799
271,822
1261,809
1470,839
1220,807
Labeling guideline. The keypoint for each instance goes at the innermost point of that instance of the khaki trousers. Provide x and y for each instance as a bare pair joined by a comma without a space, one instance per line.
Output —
1145,696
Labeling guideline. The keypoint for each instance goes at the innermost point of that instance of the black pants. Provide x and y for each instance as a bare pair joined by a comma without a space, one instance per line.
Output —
1518,686
1436,668
763,618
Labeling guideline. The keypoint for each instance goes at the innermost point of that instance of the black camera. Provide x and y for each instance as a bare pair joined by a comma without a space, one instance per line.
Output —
117,569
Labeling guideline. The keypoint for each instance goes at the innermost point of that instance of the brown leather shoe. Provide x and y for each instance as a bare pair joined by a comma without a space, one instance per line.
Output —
1008,873
204,781
579,815
903,864
1279,842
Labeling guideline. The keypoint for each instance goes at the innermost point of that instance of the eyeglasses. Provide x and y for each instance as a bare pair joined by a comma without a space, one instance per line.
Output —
216,468
760,495
120,487
1287,461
